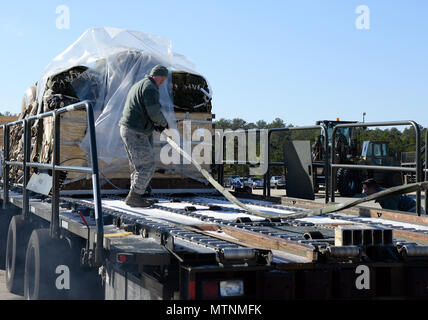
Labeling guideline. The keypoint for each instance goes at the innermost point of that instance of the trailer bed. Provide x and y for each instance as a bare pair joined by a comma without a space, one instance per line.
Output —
212,210
205,236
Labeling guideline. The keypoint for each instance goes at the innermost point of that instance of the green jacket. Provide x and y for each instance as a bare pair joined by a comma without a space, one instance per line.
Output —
142,108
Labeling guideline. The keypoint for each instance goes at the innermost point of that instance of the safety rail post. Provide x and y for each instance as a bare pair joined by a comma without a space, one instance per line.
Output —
55,227
26,170
418,169
426,169
323,128
221,171
333,170
7,163
326,164
266,184
99,249
215,163
5,184
6,167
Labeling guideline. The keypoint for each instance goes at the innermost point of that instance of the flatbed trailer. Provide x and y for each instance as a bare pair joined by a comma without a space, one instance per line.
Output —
191,247
195,246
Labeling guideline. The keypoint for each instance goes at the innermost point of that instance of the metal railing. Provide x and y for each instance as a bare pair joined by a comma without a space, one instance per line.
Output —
426,167
56,167
330,166
323,128
418,170
267,176
232,162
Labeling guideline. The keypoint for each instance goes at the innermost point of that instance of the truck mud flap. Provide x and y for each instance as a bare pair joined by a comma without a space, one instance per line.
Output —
313,284
278,285
124,285
417,282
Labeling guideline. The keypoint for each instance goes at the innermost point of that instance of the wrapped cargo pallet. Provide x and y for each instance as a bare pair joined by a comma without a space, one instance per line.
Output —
101,67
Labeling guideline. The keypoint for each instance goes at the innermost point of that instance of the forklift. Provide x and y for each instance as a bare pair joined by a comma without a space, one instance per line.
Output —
349,181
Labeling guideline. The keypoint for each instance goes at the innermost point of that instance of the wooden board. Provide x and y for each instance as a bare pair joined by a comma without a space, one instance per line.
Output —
194,116
73,126
73,129
4,120
124,184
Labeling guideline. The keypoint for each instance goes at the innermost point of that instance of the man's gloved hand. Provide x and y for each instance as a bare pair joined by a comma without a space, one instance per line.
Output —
161,129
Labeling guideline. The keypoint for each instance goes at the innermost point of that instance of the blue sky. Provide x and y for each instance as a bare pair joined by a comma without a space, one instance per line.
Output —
298,60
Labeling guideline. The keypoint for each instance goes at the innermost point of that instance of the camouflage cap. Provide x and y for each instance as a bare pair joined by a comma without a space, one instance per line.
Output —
159,71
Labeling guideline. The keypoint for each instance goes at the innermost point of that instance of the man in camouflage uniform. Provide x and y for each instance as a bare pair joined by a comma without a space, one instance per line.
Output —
141,116
399,202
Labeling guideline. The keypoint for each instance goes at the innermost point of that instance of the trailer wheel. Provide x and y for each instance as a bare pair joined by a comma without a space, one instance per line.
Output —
348,182
248,189
17,239
316,188
5,218
44,255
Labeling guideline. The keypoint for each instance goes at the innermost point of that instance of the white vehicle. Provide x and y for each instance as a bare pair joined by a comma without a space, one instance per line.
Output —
274,181
254,183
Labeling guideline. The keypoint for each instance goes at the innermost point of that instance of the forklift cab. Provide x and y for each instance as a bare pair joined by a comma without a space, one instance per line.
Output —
375,152
345,132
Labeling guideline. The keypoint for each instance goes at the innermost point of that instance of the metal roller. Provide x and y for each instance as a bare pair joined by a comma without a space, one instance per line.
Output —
343,251
238,253
414,250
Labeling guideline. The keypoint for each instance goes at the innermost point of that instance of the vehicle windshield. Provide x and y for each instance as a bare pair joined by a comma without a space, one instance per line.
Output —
377,150
385,149
346,132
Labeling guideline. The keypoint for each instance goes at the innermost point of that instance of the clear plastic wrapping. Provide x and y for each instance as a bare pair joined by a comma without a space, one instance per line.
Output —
115,60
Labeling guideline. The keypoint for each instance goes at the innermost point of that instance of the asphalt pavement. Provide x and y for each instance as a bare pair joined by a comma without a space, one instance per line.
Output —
4,293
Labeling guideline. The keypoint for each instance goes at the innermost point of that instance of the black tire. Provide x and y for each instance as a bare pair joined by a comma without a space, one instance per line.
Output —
5,218
316,188
44,255
348,182
248,189
17,238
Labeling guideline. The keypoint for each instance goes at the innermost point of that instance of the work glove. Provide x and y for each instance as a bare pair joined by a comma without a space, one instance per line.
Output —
161,129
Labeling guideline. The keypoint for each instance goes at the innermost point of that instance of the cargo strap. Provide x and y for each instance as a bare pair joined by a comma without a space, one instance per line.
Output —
217,186
316,212
352,203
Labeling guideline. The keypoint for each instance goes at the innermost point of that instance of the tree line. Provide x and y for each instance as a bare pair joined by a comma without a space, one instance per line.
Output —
7,114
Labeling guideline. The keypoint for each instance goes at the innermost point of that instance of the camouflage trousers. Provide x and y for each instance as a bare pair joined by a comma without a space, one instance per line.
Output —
141,158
